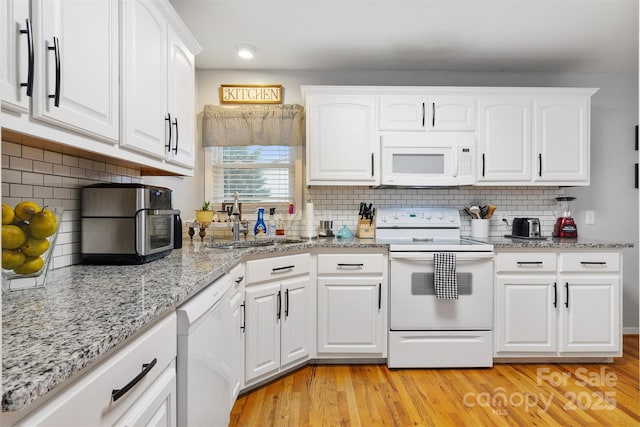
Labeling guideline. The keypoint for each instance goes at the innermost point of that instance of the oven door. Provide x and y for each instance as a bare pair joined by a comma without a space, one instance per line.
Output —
413,303
154,230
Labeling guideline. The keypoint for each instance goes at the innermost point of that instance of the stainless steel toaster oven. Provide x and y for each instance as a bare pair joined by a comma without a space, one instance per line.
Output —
126,223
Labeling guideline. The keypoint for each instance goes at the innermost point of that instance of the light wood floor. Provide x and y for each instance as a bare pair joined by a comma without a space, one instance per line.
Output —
516,394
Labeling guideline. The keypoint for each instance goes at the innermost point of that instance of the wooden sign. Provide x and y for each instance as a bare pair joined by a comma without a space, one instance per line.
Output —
250,94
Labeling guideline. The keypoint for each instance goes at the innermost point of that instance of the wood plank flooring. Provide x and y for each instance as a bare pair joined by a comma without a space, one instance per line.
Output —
506,395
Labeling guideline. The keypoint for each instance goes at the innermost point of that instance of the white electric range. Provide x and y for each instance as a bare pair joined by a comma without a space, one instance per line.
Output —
425,331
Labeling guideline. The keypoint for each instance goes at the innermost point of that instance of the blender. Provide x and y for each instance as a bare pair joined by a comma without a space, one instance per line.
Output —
565,225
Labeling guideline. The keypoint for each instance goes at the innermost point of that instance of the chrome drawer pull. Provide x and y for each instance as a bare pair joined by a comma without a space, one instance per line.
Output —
146,367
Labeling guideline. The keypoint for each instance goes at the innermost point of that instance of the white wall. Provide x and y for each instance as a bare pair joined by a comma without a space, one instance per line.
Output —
614,116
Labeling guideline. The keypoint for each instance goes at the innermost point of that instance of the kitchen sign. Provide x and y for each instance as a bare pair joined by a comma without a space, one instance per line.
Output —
251,94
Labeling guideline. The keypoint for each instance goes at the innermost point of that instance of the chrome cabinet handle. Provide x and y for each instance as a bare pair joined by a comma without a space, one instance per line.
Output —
555,294
482,164
56,50
529,262
244,317
593,262
566,287
29,33
146,367
239,280
433,116
372,165
424,113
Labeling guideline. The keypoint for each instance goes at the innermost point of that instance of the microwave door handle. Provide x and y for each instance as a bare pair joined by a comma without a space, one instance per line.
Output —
454,169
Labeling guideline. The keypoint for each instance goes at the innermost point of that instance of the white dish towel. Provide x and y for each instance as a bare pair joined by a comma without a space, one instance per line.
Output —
445,280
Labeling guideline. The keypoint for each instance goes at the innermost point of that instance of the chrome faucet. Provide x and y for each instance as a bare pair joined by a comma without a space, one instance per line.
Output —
236,218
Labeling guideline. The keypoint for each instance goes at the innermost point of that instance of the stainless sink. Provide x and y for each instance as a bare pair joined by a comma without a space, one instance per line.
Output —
252,243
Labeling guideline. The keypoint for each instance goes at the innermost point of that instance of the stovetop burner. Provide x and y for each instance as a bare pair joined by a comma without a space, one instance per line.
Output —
424,229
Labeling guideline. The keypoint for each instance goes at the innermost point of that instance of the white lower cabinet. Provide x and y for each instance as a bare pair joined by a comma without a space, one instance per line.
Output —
237,275
563,304
279,315
151,400
352,305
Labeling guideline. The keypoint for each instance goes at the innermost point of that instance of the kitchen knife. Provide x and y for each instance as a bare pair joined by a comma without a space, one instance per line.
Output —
361,212
373,214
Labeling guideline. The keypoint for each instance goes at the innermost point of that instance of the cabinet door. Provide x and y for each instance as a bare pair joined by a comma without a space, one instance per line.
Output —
402,113
237,344
262,331
157,406
342,146
181,102
297,320
590,314
14,54
504,139
145,123
451,113
526,314
561,139
350,315
85,63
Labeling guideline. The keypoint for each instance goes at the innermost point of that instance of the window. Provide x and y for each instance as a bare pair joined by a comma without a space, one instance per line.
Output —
262,175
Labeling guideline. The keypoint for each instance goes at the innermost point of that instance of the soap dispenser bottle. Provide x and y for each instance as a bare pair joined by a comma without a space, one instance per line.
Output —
260,229
271,224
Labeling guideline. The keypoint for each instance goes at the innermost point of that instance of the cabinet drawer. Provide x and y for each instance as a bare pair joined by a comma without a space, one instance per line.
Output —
350,263
591,262
277,268
89,400
526,262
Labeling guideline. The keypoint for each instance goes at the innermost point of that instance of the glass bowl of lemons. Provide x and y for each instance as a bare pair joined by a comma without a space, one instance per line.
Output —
29,234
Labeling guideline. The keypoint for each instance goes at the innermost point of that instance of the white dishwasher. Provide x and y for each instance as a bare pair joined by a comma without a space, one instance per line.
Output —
204,356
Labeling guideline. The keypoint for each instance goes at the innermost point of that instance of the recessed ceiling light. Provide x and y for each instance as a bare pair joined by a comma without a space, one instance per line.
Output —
246,51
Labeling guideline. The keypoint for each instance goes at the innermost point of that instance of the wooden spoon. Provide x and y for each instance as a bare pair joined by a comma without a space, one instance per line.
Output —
490,211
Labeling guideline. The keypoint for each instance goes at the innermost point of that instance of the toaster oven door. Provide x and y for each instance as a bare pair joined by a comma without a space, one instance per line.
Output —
154,230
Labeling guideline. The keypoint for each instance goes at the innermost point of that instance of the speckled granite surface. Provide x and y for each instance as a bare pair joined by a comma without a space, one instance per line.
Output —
552,243
83,312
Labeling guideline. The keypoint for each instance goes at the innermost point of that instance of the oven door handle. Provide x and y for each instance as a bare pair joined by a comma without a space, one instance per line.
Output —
428,256
163,211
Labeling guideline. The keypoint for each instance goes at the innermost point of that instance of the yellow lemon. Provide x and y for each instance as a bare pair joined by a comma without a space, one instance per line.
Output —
31,265
25,210
7,214
42,224
12,259
34,247
12,237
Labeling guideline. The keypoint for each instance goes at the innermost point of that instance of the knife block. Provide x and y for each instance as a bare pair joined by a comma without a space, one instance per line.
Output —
365,229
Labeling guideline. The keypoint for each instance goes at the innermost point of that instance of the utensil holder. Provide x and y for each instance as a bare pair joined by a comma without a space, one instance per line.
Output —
365,229
479,228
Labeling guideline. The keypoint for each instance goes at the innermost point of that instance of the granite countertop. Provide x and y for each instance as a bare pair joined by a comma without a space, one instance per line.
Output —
550,243
53,333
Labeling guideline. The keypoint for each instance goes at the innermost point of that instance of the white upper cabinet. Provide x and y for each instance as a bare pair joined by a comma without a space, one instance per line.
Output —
76,65
342,147
16,54
402,113
451,113
422,112
181,80
561,139
504,139
145,116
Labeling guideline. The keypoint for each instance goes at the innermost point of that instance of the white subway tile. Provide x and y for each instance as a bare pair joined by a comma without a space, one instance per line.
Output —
52,157
19,190
11,176
18,163
69,160
32,178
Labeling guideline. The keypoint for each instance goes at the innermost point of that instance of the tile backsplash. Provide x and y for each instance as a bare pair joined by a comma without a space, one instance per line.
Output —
340,204
53,179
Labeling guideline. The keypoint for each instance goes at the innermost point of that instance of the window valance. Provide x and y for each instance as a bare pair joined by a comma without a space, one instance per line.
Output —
253,125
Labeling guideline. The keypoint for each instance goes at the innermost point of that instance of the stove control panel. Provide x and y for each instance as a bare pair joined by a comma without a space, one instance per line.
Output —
418,218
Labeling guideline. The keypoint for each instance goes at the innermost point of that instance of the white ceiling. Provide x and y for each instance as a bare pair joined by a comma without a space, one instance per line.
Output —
460,35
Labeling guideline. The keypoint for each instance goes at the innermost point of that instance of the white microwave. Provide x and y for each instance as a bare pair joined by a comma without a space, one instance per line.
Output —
417,159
